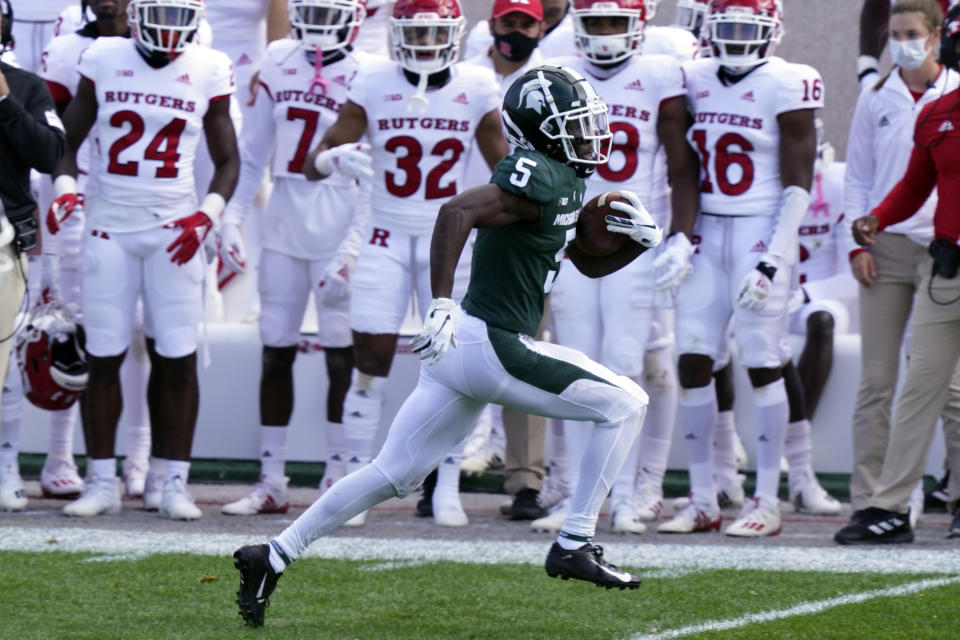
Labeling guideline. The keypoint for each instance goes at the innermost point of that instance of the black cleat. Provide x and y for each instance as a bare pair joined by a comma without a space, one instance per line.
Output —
876,526
938,499
954,531
425,503
257,582
587,563
526,506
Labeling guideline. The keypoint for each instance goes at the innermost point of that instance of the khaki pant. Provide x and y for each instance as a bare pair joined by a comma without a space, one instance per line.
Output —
931,378
12,287
884,311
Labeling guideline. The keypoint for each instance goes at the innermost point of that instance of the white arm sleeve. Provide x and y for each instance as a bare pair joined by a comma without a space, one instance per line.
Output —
793,206
257,140
350,245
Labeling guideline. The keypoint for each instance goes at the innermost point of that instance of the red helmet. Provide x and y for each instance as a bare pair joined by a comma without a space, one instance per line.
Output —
425,34
164,27
743,33
326,25
608,48
52,361
690,15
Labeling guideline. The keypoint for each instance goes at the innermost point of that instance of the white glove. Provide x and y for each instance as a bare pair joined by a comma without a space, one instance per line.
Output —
640,227
438,333
756,286
351,159
232,252
336,279
672,265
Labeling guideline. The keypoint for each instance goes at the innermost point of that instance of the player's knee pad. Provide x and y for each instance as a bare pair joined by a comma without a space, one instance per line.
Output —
625,357
659,372
176,342
275,330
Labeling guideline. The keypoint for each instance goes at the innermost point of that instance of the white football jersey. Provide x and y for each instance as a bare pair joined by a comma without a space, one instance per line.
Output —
420,157
149,122
823,246
672,41
59,68
286,123
41,10
633,96
239,29
736,133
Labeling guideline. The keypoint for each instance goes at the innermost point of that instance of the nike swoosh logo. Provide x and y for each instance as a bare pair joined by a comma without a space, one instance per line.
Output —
620,575
260,590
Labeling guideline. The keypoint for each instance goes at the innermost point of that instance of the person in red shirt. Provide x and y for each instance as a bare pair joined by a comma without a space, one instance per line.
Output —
935,347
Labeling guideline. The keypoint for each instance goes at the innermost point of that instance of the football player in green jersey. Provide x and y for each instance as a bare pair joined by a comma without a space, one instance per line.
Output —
482,352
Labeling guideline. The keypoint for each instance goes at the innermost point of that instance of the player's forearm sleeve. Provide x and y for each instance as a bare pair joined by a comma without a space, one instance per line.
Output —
793,206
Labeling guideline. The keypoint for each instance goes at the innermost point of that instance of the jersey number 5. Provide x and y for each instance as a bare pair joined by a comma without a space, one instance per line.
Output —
163,147
726,157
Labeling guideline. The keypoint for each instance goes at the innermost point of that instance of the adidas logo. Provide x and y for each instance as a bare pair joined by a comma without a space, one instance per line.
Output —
461,99
690,436
884,122
946,126
636,85
763,438
748,96
760,247
266,454
289,72
703,94
244,59
356,414
185,78
341,79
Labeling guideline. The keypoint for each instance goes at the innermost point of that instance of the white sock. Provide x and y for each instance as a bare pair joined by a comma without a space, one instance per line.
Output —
62,424
576,435
158,466
103,467
653,462
273,451
698,416
448,475
362,409
770,416
138,441
724,447
178,468
798,449
10,428
354,494
603,457
557,451
336,441
276,560
135,410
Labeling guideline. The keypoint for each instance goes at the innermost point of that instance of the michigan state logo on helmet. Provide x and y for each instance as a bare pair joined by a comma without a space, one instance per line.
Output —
555,111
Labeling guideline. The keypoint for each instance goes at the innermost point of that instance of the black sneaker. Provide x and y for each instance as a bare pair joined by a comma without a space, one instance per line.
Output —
587,563
954,531
257,582
425,503
937,499
876,526
526,506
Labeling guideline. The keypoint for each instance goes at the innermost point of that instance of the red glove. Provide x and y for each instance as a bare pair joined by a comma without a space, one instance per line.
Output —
60,210
195,229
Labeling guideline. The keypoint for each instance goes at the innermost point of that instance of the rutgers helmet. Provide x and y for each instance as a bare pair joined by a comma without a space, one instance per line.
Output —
555,111
163,28
608,48
52,360
425,34
326,25
690,15
743,33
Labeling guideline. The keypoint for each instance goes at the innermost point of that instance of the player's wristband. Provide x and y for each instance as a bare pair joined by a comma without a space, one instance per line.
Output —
64,184
767,269
213,205
865,66
853,254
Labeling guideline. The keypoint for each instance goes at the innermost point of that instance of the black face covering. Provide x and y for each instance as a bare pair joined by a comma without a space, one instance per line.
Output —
6,31
515,46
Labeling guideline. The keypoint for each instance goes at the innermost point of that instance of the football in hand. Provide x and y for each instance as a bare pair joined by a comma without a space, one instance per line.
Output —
592,236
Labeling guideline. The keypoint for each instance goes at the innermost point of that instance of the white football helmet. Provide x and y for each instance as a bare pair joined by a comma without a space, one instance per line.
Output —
606,48
743,33
326,25
164,27
425,34
691,14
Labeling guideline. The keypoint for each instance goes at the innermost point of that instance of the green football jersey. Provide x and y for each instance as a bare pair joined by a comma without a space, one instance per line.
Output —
514,267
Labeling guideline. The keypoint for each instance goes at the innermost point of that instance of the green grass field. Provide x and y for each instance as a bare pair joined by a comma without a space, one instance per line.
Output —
83,595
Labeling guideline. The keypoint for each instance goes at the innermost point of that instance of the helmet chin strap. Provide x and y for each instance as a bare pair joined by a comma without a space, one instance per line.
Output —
318,79
419,99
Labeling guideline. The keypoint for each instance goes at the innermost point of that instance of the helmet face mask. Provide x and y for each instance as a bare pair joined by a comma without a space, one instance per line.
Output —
326,25
164,26
691,14
425,34
743,33
600,44
555,111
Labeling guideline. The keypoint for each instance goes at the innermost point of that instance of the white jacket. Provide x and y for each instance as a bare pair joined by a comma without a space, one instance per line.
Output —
879,147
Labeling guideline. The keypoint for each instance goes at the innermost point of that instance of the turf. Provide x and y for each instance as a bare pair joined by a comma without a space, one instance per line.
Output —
57,594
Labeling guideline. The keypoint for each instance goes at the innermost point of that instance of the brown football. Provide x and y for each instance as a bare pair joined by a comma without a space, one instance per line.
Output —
592,235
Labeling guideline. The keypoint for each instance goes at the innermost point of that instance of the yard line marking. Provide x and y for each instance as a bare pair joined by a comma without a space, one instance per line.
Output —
803,609
390,565
646,557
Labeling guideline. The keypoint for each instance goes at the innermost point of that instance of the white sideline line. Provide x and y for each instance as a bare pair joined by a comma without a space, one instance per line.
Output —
653,558
806,608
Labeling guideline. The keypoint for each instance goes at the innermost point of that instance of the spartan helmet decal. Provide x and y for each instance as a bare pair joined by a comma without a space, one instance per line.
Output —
531,95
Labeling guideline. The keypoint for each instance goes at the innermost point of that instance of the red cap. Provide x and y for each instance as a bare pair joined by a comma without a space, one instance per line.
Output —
532,8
